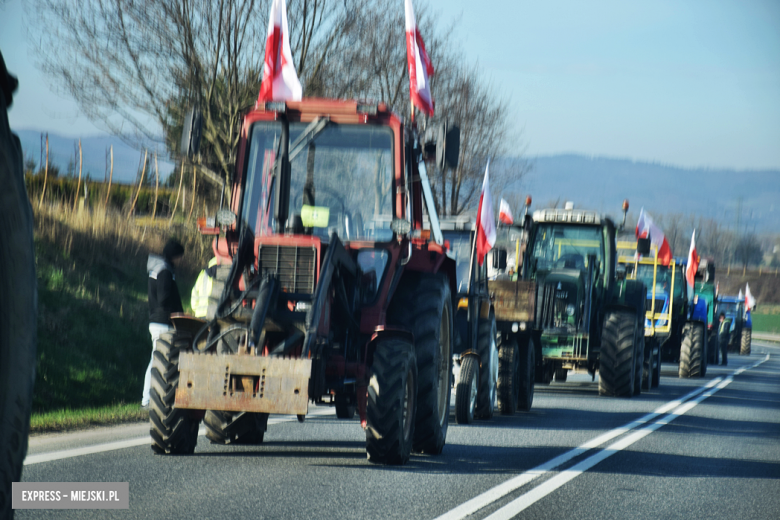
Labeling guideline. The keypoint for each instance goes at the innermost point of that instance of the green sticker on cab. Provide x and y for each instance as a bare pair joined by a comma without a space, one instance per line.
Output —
315,216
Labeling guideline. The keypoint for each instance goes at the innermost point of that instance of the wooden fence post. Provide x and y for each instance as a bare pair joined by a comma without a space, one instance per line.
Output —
178,193
156,185
110,175
140,183
45,171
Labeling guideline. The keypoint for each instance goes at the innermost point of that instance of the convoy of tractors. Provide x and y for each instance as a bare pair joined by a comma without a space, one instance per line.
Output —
338,284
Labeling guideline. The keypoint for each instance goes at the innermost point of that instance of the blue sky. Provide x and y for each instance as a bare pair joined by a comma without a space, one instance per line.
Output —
689,83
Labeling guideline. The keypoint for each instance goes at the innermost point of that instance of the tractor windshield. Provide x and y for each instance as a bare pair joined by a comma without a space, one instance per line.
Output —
460,247
561,246
340,183
663,280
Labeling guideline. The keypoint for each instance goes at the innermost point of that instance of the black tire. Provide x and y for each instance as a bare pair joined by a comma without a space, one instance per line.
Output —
747,339
657,371
692,351
543,373
508,376
174,431
235,427
561,374
735,337
639,357
424,305
648,364
616,360
526,370
392,395
712,347
18,313
345,406
487,397
466,390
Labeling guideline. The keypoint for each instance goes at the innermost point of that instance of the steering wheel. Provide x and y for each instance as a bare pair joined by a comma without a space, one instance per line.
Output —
570,261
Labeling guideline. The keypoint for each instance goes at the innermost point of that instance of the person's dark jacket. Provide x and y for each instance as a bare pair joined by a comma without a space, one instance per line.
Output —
164,298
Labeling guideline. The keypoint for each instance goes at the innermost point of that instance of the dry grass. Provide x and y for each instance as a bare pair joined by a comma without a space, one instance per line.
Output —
93,340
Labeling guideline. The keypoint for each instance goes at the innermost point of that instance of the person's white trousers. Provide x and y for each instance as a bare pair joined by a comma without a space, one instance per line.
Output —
155,329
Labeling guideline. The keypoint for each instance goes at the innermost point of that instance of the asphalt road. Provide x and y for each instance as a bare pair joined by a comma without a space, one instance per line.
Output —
697,448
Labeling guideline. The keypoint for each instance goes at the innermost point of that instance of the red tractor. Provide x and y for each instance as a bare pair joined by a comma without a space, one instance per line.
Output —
329,291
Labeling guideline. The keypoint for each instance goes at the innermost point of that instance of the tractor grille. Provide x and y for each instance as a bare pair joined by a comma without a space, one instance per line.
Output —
294,266
553,299
659,305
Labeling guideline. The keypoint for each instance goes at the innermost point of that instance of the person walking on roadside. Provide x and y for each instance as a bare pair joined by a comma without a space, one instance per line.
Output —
164,300
723,338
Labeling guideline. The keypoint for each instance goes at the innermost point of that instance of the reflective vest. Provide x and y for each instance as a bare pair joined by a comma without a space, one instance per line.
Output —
200,293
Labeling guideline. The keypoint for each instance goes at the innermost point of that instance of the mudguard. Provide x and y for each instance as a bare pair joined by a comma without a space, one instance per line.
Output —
699,311
630,294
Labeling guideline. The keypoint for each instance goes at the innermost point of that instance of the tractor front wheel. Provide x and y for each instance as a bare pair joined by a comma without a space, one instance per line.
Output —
235,427
692,351
747,339
466,390
174,431
487,396
526,370
617,357
508,376
392,394
423,303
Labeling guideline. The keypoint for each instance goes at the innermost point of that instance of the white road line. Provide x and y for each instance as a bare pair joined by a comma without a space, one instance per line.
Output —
140,441
488,497
524,501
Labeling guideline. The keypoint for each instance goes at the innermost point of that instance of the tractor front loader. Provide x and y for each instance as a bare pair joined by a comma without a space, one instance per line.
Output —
328,291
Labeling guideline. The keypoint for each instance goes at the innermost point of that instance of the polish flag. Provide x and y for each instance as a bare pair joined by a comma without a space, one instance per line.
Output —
505,214
750,302
280,81
644,227
693,262
420,66
486,230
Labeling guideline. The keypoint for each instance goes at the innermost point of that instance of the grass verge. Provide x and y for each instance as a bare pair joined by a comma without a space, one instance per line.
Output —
69,419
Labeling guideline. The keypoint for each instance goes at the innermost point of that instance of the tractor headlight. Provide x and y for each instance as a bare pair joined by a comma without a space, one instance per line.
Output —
515,327
570,310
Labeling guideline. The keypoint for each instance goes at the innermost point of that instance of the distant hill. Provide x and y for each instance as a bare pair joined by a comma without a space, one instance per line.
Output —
602,183
127,160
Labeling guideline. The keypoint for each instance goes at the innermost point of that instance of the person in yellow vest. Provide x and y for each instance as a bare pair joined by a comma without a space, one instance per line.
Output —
202,289
723,338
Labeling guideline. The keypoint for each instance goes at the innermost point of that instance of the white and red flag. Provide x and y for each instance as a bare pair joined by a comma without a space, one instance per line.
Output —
645,227
693,261
505,213
280,81
486,229
750,302
420,66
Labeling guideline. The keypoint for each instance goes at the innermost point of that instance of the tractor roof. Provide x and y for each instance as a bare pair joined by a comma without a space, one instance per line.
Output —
730,299
567,216
363,109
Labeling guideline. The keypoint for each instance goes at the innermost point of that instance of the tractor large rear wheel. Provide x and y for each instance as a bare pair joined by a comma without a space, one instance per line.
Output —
639,361
487,397
617,357
390,411
18,313
174,431
692,350
235,427
508,376
747,339
423,304
526,371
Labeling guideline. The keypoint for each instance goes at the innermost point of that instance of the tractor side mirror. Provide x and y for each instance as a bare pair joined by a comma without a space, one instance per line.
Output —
643,246
498,259
191,132
447,146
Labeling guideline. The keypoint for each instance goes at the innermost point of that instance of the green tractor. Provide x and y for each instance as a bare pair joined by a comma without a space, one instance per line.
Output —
583,313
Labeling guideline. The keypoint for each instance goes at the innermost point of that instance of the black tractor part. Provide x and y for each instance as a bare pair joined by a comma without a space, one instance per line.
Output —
390,412
508,376
692,350
487,347
423,303
174,431
617,358
235,427
466,390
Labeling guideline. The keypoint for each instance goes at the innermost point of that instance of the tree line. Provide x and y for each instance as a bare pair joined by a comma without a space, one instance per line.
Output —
135,66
